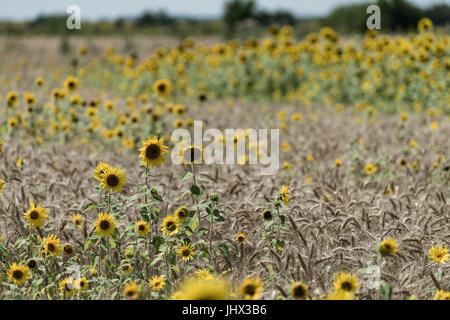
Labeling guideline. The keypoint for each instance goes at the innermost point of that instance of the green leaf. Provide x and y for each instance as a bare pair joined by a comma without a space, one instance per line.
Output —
187,175
158,241
89,207
223,247
386,290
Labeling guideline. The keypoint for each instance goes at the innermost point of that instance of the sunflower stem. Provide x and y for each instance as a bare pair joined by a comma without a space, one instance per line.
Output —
195,197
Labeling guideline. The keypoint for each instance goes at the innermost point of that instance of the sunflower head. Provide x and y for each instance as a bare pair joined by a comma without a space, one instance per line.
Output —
196,288
204,274
191,155
251,288
142,228
285,194
241,238
186,251
2,186
67,287
69,250
19,273
77,220
345,282
105,224
113,179
299,290
157,283
439,254
152,152
131,291
100,170
267,215
181,213
387,247
82,284
35,215
442,295
162,87
52,246
170,225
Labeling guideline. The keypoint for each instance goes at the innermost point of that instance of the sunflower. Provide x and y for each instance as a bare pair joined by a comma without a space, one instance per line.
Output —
81,284
251,288
439,254
142,228
162,87
19,273
1,145
285,194
267,215
51,245
191,155
67,287
131,291
100,170
299,290
181,213
77,220
203,274
68,250
71,83
152,152
35,215
346,282
370,169
186,251
105,224
39,81
170,225
203,289
340,295
157,283
425,25
442,295
2,186
113,179
387,247
241,238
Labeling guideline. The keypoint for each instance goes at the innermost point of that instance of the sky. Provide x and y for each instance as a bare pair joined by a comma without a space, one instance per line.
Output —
20,10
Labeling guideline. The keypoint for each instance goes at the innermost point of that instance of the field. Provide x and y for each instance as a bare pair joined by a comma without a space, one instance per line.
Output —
357,210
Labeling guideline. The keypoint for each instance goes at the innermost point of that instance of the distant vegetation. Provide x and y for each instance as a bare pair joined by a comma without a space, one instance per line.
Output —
243,18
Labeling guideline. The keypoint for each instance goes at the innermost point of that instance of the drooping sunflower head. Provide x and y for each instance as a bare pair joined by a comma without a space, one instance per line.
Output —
19,273
387,247
52,245
113,179
285,194
203,289
162,87
241,238
105,224
142,228
100,170
251,288
170,225
439,254
192,154
77,220
131,291
186,251
181,213
152,152
345,282
67,287
299,290
157,283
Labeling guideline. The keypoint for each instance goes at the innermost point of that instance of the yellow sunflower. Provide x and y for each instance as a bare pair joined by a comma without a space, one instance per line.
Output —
439,254
370,169
131,291
285,194
191,155
113,179
71,83
241,238
142,228
52,245
346,282
2,186
340,295
105,224
1,145
77,220
170,225
203,289
100,170
442,295
181,213
19,273
81,284
162,87
67,287
152,152
387,247
299,290
186,251
251,288
157,283
204,274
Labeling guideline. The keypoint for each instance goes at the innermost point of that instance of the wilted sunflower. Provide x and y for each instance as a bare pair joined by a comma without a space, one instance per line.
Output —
142,228
152,152
157,283
181,213
162,87
51,245
67,287
2,186
35,215
251,288
267,215
105,224
170,225
186,251
439,254
299,290
77,220
346,282
387,247
203,289
285,194
191,155
68,250
131,291
19,273
100,170
113,179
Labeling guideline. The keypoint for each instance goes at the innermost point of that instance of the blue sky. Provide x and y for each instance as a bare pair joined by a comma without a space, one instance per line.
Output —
96,9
